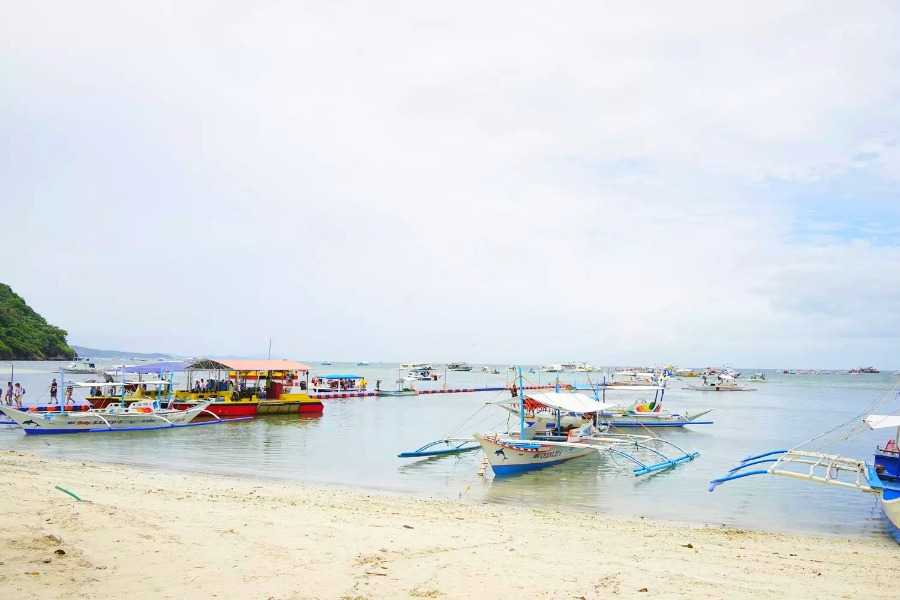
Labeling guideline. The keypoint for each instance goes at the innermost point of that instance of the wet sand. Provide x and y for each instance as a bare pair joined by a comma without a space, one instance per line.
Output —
164,534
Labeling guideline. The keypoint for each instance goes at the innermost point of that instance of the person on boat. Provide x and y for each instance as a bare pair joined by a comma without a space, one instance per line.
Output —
69,400
514,390
363,384
9,393
53,391
18,392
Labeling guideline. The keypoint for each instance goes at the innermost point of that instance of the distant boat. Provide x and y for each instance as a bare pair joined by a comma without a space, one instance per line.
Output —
362,363
459,365
325,363
81,366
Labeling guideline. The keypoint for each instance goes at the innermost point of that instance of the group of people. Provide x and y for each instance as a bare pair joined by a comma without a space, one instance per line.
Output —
14,394
54,390
342,384
210,385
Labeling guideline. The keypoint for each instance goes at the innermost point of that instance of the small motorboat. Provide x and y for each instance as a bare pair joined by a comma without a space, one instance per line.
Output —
81,366
404,388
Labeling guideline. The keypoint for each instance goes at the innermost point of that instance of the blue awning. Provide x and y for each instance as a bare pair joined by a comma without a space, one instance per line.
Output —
167,366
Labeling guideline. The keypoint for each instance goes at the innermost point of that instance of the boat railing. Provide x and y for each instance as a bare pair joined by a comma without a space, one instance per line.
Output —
823,468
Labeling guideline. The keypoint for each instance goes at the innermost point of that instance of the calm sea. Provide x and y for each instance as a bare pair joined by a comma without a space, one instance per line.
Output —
355,443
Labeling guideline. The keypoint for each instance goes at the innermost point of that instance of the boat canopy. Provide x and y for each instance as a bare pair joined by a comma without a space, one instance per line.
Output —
168,366
339,376
222,364
81,384
576,403
883,421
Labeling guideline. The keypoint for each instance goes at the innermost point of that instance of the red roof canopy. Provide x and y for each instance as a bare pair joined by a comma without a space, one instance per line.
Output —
248,365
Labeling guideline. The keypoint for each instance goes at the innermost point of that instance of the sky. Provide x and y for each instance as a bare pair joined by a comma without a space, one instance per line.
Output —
509,182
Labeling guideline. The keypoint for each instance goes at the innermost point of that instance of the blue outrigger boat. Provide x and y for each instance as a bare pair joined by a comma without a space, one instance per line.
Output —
880,477
537,445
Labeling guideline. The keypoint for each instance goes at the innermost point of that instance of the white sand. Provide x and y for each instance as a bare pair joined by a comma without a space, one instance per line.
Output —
160,534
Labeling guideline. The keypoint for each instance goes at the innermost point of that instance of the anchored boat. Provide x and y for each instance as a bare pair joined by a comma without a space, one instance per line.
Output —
623,414
540,444
81,366
808,462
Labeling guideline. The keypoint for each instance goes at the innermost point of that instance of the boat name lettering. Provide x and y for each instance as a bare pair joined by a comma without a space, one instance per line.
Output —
553,454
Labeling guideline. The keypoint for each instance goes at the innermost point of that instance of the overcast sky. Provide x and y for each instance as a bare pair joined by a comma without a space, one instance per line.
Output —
690,183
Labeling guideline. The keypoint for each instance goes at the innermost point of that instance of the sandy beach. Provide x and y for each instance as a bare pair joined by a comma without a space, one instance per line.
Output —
167,534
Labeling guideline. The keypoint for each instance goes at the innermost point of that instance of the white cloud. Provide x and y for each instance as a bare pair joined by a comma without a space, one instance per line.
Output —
538,181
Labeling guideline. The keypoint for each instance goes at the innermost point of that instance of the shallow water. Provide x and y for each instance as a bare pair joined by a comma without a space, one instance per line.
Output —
355,444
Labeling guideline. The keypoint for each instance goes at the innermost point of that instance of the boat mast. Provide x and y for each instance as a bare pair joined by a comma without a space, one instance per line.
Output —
62,385
122,398
169,389
521,407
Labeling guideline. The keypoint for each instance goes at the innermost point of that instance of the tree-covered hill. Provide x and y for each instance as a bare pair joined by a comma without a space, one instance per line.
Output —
25,335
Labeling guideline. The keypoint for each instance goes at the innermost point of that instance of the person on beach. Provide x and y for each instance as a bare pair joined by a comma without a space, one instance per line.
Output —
9,393
53,390
18,392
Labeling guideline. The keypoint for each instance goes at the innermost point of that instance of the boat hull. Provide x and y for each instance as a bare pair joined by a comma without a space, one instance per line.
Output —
35,423
890,505
511,457
396,393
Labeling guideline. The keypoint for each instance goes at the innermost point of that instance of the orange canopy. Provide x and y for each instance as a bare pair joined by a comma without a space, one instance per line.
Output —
247,365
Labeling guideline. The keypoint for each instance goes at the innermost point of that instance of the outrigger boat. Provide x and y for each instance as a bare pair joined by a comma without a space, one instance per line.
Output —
630,414
808,463
459,365
536,446
139,415
727,385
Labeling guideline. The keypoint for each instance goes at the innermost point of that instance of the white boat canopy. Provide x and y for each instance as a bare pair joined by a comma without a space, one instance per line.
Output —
883,421
576,403
152,382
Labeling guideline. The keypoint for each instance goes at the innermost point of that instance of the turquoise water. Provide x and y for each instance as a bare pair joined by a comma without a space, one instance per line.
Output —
355,442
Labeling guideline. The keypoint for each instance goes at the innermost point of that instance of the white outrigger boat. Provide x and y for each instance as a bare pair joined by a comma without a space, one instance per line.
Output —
139,415
629,414
807,462
539,444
